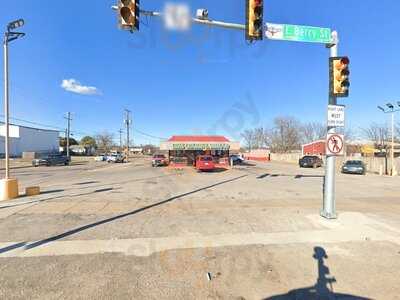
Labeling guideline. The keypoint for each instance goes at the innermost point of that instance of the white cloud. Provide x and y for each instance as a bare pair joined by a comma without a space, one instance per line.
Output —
74,86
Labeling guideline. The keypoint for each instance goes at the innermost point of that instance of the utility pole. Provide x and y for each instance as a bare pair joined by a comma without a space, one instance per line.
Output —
69,119
120,138
127,121
329,205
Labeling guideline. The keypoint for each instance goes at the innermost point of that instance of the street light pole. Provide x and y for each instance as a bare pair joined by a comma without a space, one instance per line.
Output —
8,186
394,171
6,109
391,111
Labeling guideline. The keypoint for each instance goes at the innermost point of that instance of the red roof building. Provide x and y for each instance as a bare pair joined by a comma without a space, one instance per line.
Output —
183,149
199,138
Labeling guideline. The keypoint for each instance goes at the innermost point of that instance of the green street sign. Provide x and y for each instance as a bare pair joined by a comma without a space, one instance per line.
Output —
298,33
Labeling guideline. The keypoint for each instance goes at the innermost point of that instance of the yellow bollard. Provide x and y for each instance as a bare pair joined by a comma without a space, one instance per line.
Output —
32,191
8,189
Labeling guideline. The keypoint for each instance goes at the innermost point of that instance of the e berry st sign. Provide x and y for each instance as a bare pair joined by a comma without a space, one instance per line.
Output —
336,115
298,33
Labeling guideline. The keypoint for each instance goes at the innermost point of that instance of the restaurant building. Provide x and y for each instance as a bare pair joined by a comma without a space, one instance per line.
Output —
183,150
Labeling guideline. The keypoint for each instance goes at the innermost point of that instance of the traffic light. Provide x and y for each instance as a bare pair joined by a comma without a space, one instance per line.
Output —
254,19
339,76
128,14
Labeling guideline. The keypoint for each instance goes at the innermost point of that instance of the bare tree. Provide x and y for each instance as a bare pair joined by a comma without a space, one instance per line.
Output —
286,134
349,133
248,136
256,138
379,134
104,141
313,131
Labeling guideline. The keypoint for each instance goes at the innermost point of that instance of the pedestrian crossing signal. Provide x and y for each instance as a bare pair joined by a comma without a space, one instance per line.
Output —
339,76
254,19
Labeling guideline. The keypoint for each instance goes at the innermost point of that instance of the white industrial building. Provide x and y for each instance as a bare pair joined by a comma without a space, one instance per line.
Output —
28,139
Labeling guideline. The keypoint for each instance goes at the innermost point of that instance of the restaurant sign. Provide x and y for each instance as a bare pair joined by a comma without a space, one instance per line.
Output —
200,146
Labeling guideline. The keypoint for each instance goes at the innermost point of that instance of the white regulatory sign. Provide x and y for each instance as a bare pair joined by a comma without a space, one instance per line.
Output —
335,144
336,115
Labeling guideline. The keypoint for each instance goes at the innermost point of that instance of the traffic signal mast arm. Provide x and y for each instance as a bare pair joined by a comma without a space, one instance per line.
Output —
195,20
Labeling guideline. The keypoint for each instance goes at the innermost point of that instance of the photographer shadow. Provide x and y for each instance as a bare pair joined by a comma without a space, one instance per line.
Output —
323,289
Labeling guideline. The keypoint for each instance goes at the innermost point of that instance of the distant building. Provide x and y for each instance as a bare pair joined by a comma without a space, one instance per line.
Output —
183,150
314,148
136,150
29,139
258,154
352,148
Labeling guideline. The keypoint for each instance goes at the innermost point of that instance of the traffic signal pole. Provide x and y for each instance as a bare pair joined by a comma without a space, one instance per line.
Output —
329,207
329,203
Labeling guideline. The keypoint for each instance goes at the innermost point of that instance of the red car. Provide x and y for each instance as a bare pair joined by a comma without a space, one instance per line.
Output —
205,163
159,160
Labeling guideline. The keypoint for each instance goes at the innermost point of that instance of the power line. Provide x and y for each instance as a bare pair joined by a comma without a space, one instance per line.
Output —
62,130
59,129
149,135
36,123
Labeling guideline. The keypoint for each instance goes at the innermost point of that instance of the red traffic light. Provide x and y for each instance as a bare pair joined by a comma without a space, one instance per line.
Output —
345,61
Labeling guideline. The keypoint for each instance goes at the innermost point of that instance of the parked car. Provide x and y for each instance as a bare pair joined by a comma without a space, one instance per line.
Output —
354,167
205,163
101,157
116,158
310,162
51,160
159,160
236,159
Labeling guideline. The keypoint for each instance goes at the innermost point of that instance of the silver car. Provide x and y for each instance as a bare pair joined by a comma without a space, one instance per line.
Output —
354,167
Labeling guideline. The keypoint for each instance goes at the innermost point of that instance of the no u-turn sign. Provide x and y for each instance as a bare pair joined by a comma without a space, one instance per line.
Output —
335,144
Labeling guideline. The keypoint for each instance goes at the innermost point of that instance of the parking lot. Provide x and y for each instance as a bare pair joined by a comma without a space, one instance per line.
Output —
130,231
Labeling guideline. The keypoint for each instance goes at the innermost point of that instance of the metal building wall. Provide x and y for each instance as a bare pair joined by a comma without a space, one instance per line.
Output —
31,140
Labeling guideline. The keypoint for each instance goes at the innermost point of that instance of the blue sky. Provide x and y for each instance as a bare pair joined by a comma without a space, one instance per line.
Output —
205,81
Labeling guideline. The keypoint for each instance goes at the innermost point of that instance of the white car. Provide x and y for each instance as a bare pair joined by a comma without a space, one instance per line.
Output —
115,158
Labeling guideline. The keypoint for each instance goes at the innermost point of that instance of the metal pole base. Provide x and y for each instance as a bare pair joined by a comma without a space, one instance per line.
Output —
330,216
394,171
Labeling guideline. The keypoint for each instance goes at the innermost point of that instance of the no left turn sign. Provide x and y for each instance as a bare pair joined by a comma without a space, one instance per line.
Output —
335,144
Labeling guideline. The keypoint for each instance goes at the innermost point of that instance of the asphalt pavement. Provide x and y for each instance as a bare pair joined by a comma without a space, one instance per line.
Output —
130,231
